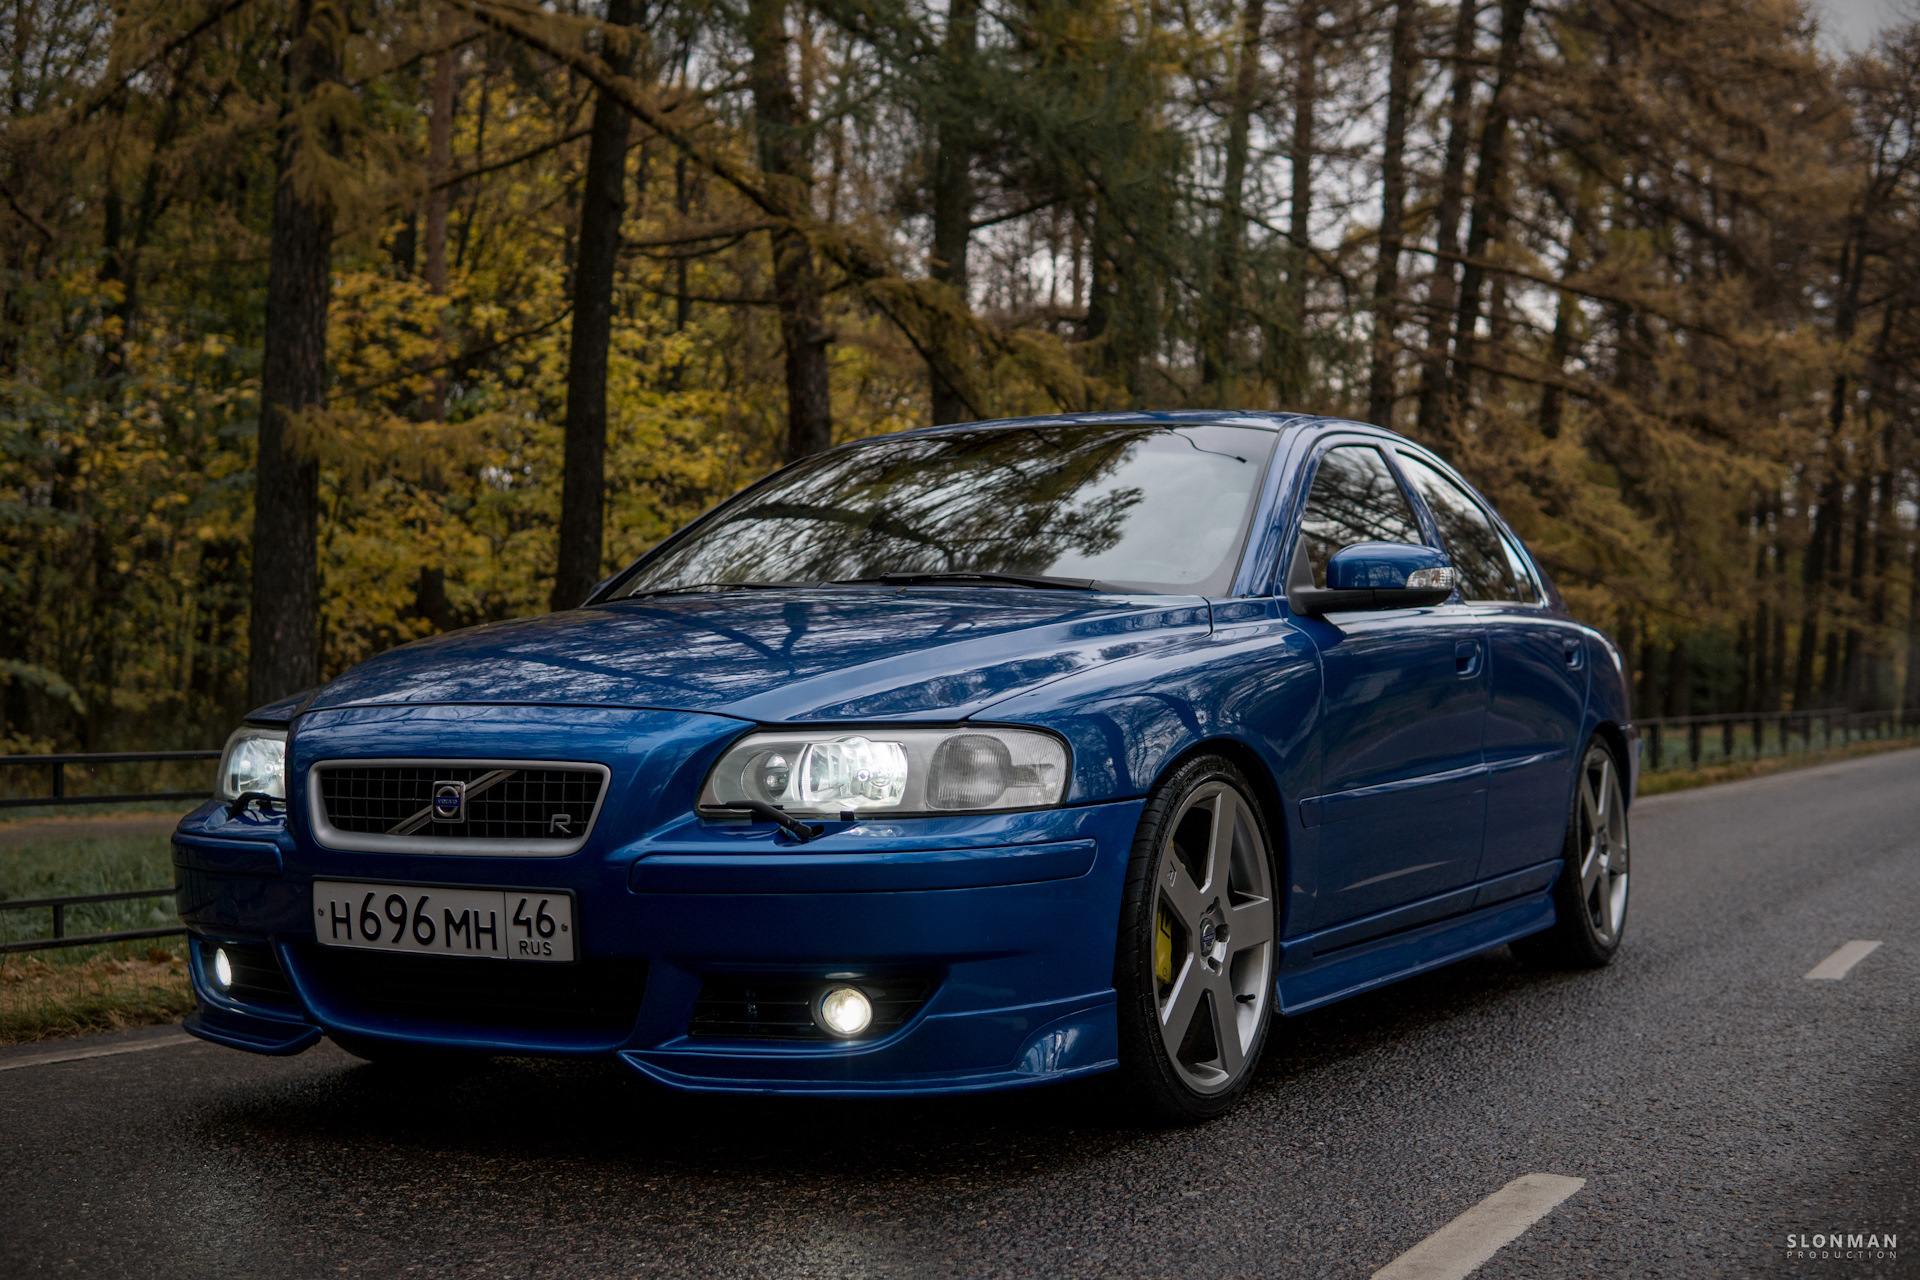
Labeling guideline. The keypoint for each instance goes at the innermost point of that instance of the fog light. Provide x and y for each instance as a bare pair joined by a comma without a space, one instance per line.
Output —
843,1011
222,968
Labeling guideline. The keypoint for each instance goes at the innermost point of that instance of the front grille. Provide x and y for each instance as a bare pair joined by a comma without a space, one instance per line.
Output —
256,973
593,995
527,803
781,1008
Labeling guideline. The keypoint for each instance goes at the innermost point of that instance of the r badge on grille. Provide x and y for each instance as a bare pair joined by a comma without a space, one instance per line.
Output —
449,802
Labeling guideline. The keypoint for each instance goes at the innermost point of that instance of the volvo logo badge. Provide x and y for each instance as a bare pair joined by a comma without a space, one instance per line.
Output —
449,802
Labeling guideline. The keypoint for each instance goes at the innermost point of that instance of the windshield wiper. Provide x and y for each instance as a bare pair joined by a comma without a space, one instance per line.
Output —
701,588
981,577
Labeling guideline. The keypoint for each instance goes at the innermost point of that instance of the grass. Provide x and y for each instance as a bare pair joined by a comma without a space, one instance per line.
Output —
1653,784
74,990
41,999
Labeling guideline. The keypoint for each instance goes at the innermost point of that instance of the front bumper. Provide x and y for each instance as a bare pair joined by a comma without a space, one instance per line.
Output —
1008,921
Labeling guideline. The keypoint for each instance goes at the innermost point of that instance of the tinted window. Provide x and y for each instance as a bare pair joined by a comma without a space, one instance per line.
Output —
1354,499
1145,508
1490,567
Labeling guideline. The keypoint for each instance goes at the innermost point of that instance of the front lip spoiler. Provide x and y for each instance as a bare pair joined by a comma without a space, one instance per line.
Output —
255,1035
941,1086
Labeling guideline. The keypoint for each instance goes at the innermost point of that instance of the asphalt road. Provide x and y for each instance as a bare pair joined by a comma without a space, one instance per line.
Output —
1713,1099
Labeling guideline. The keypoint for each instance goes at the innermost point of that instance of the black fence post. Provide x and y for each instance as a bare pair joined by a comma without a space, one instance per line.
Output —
1693,743
59,919
1726,740
1653,747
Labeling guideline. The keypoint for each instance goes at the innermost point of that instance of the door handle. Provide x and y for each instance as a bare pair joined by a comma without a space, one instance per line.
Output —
1575,652
1466,658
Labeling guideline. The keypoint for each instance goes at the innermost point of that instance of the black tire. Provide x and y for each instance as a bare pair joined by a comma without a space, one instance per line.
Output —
1590,897
1157,956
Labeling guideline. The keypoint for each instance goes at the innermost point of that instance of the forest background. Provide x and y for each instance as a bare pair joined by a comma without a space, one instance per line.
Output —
326,325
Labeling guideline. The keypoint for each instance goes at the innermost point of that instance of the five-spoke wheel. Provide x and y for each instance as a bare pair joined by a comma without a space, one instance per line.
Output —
1590,898
1602,837
1195,969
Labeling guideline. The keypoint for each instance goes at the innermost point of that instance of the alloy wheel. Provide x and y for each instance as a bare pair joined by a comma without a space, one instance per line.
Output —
1213,943
1603,845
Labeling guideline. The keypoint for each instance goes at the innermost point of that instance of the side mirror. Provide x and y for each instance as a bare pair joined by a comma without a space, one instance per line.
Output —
1377,575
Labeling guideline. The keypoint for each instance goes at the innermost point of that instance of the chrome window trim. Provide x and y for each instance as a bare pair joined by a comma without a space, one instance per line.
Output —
330,837
1539,603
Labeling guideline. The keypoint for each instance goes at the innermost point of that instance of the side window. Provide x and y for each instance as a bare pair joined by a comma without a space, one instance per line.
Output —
1354,498
1523,574
1490,568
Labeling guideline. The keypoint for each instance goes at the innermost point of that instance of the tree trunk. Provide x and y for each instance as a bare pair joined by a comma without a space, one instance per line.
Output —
1743,650
1558,346
603,203
797,288
1649,677
283,627
1679,680
1306,89
1821,547
1453,187
953,208
1098,311
439,169
1487,212
682,204
1403,51
1910,700
1217,365
1777,671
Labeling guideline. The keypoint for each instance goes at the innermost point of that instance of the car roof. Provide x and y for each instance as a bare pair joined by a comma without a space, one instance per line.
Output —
1259,418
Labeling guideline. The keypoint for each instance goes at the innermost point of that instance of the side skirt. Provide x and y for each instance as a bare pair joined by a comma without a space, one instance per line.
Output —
1308,981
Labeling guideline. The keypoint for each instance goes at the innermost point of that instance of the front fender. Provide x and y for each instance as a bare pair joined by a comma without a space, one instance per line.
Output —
1254,681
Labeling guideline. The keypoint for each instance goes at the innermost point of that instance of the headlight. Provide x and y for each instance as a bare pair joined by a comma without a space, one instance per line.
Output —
906,770
255,760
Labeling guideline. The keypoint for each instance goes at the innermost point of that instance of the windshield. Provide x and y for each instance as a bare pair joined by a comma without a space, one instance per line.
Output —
1141,508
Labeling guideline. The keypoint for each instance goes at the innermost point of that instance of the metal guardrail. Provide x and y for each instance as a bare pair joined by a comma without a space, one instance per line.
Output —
61,938
59,764
58,794
1726,738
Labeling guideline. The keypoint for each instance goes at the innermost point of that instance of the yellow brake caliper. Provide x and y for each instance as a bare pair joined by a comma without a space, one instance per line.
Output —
1162,946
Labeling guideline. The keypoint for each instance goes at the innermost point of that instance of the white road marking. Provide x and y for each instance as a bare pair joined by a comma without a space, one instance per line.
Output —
1482,1231
107,1051
1841,962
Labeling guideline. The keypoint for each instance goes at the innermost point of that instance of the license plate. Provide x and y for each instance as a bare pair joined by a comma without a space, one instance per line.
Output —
502,924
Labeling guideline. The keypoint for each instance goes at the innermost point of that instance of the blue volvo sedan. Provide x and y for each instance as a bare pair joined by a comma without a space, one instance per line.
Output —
961,759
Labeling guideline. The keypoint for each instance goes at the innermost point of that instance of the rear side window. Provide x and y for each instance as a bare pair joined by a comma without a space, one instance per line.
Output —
1354,498
1490,567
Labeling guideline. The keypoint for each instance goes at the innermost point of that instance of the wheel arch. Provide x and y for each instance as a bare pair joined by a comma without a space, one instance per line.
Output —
1266,791
1616,739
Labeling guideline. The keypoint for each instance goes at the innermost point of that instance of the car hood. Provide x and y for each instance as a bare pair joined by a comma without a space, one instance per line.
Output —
774,656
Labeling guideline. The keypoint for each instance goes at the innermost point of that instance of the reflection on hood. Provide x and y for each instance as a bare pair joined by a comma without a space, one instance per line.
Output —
779,655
